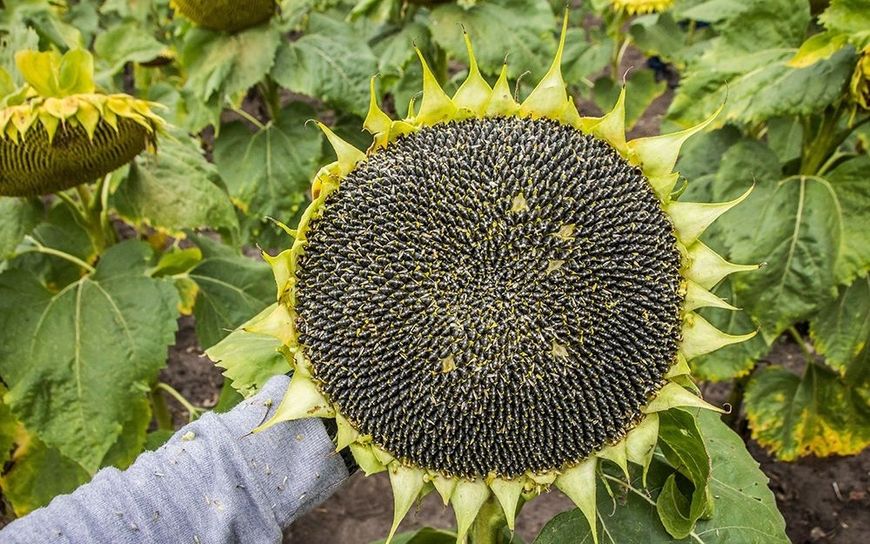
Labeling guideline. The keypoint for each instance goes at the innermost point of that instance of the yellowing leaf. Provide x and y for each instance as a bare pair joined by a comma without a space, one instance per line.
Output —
817,414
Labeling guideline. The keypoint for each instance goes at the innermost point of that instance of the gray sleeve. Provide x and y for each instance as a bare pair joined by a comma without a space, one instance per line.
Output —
211,483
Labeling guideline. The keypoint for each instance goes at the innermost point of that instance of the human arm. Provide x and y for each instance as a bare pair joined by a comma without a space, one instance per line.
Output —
212,482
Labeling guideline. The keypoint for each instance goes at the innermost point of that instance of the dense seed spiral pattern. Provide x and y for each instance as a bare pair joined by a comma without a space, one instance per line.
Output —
491,295
33,166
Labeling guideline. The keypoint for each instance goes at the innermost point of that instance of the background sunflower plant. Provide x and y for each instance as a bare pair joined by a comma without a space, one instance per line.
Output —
227,190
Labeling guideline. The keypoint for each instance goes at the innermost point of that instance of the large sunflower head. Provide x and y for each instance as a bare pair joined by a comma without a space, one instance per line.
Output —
57,132
226,15
496,296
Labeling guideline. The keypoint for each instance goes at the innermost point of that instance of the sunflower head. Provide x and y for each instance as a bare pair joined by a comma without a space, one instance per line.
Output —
57,131
497,296
640,7
226,15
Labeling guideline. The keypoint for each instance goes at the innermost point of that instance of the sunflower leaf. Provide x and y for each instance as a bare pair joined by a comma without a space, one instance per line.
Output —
176,190
840,331
39,474
232,287
758,85
128,42
523,27
267,172
850,17
112,329
683,446
736,482
227,65
816,414
849,182
330,63
794,224
18,217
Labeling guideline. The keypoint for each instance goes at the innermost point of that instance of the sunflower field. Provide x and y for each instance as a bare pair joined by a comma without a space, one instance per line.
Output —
583,272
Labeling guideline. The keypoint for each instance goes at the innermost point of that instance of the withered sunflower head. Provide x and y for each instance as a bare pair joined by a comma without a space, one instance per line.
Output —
226,15
496,296
58,132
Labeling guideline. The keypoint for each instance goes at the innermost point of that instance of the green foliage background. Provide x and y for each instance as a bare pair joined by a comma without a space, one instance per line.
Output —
86,318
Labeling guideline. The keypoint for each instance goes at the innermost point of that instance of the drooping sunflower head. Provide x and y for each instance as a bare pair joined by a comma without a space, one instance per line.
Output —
496,296
226,15
57,132
640,7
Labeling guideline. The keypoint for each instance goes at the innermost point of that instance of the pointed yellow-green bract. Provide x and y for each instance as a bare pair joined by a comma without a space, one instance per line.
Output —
691,219
700,337
407,484
508,493
467,500
474,93
550,98
436,106
578,483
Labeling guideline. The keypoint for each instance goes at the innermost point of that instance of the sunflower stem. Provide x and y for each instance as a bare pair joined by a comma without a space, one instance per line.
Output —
37,247
192,411
799,340
490,524
161,411
271,98
820,146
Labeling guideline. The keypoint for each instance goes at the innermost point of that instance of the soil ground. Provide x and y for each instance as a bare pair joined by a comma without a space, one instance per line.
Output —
824,501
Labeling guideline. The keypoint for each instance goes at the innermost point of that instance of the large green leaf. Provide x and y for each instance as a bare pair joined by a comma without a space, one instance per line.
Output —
815,414
232,288
269,171
764,24
849,181
659,34
249,358
176,190
331,62
744,508
758,85
851,17
226,65
841,330
18,217
73,358
127,42
793,224
522,29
